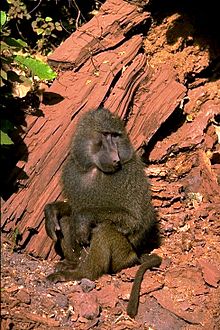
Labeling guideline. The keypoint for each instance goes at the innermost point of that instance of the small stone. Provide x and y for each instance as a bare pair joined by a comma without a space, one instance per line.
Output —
87,285
61,300
23,296
211,273
89,308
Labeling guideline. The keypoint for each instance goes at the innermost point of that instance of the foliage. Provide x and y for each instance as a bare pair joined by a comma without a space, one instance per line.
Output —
2,19
38,68
6,127
29,28
29,31
45,24
18,69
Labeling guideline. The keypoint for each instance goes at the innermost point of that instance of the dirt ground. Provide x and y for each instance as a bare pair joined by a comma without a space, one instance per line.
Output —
184,293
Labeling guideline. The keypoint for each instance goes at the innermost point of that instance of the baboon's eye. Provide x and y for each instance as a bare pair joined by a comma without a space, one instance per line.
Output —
113,134
116,135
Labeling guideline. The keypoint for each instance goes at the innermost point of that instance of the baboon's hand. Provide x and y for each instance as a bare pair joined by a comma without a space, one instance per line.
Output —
65,265
51,221
56,277
64,276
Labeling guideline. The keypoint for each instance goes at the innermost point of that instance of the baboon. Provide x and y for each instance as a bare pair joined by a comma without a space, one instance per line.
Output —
109,206
60,229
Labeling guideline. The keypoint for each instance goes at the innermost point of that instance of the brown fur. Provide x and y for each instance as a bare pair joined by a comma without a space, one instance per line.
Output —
109,206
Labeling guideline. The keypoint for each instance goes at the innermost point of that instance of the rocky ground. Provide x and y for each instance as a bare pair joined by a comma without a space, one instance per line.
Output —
184,293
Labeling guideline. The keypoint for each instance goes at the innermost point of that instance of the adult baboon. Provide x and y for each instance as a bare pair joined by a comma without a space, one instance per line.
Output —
109,205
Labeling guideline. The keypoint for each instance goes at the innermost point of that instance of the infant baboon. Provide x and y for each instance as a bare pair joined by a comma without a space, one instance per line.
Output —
109,206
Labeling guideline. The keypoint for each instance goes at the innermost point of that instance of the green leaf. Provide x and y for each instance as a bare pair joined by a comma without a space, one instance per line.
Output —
38,68
1,82
48,19
34,24
40,31
3,19
3,74
22,43
59,28
3,46
5,139
17,43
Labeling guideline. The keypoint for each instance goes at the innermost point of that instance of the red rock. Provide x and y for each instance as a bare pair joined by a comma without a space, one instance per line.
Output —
211,273
108,296
189,134
166,300
85,304
23,296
